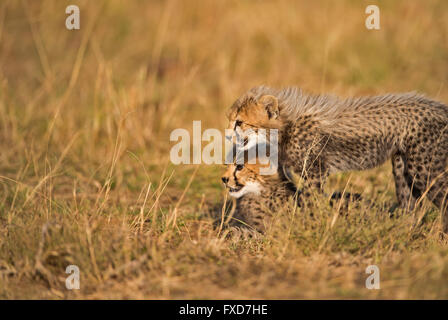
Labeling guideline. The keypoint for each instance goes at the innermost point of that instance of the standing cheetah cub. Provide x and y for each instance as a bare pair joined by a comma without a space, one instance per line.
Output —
320,134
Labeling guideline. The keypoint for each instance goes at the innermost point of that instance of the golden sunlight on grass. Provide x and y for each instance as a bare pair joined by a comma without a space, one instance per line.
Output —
85,176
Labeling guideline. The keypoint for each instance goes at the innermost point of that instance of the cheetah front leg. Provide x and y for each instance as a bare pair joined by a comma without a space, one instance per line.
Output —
308,184
406,199
305,167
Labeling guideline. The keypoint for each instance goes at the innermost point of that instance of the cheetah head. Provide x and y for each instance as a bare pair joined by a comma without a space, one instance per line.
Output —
242,179
248,115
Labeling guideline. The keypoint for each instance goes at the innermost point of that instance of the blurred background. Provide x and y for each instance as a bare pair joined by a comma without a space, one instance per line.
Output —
85,118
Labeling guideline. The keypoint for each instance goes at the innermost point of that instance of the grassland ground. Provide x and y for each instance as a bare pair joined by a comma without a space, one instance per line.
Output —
85,175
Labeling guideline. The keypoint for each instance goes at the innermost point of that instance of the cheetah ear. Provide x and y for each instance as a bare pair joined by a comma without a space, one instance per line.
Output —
270,103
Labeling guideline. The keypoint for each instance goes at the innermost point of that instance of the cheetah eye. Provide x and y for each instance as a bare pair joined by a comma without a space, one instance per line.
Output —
239,167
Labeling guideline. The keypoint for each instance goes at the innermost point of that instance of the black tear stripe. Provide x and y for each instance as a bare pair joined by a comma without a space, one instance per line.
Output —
236,180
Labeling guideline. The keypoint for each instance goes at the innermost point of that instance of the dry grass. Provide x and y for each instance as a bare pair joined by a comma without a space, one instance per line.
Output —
85,177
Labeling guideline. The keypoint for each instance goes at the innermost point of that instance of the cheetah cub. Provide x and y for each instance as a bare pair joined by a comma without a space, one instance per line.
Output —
320,134
257,196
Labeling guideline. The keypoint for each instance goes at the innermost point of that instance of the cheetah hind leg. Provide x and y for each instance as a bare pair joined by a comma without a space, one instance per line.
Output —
438,194
406,200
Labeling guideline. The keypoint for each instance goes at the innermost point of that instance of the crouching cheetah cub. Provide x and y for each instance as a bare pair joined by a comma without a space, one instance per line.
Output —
321,134
257,196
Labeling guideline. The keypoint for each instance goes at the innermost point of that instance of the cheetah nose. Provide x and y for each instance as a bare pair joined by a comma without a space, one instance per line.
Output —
225,180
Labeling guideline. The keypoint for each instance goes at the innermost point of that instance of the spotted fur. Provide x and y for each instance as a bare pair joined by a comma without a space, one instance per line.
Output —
320,135
258,196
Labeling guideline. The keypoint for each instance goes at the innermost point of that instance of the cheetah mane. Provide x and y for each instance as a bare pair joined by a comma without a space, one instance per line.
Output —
294,103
